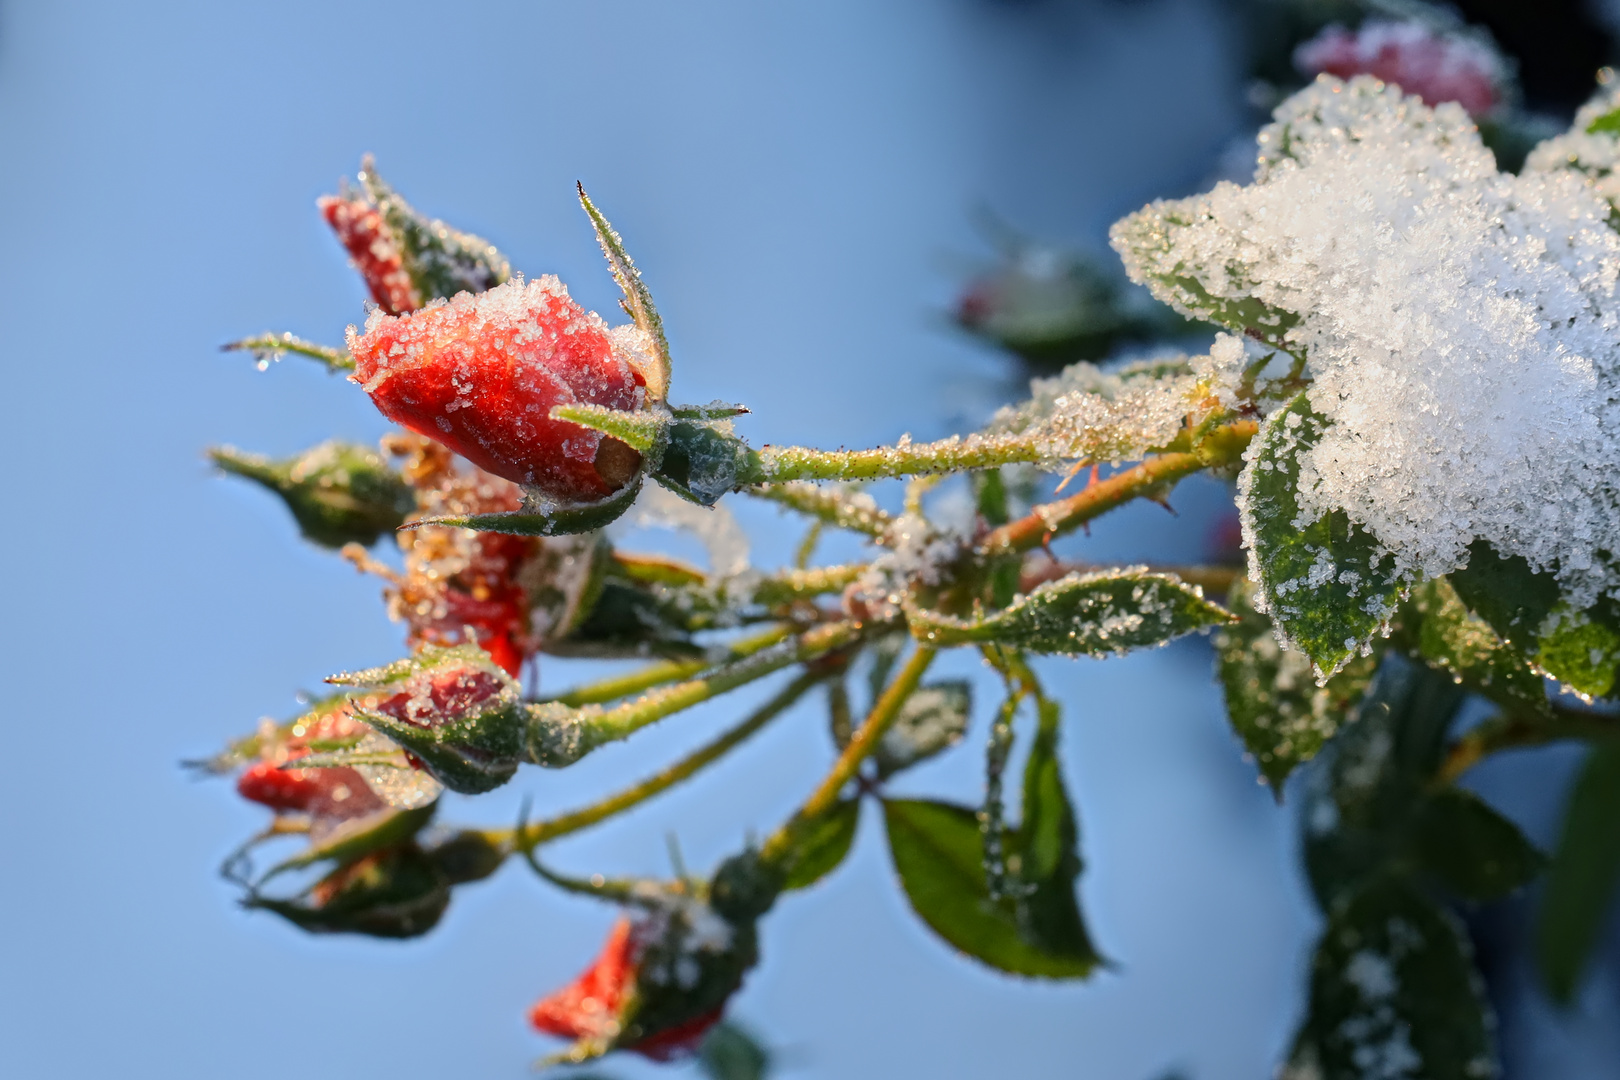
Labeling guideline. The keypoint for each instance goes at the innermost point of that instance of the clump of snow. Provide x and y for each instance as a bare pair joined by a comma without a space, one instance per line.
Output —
1461,326
918,554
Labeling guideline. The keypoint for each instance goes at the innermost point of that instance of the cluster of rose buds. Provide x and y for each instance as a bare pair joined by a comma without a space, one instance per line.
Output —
1435,65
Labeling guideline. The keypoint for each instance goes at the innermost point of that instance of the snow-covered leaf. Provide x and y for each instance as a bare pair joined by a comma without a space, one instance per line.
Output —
1438,626
1100,613
1327,584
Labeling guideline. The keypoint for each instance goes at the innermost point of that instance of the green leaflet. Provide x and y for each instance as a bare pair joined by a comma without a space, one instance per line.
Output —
1472,850
1108,612
1607,124
931,721
938,852
728,1052
1581,649
642,430
1393,993
1372,779
1045,862
551,521
1320,580
1372,812
1439,627
638,303
1582,876
820,845
1278,711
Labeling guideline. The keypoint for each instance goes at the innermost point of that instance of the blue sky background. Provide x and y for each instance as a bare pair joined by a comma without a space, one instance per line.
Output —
797,181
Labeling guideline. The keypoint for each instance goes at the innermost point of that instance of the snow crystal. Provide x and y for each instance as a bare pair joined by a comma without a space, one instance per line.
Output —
1593,153
1090,413
1462,326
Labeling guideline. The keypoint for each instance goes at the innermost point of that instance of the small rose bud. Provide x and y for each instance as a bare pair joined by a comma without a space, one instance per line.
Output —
452,710
393,893
441,261
481,374
372,246
338,493
322,793
661,982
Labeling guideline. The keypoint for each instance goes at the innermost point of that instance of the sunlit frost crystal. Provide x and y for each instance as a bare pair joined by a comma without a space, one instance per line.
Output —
1461,325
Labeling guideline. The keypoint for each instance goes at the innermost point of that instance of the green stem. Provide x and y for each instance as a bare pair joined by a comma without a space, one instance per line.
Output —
667,671
1222,446
790,585
857,513
624,720
270,346
864,743
778,464
542,832
1515,731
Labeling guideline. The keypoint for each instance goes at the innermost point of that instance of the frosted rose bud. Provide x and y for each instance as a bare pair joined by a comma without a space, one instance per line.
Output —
375,251
658,986
1436,67
453,710
481,374
397,892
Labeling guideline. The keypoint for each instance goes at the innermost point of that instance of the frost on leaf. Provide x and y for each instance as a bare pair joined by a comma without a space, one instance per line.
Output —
1461,329
1591,146
1276,706
1117,413
1108,612
1326,584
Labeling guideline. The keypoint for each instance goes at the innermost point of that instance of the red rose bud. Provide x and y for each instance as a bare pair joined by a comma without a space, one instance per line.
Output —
338,493
661,982
375,251
453,710
481,374
394,893
329,795
1436,67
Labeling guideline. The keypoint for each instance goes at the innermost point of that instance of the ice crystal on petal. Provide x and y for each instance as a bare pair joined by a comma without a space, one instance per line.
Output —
1462,326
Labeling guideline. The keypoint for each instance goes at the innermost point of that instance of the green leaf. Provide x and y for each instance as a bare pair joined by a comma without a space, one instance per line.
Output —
1276,708
820,845
1047,862
703,460
557,520
1474,851
931,721
1581,649
1107,612
1440,628
1607,124
1393,993
1582,876
937,853
1319,580
638,303
730,1053
1373,778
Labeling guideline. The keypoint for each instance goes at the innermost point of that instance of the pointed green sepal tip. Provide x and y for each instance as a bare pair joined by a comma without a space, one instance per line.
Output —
441,261
453,710
644,430
339,493
546,519
638,302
